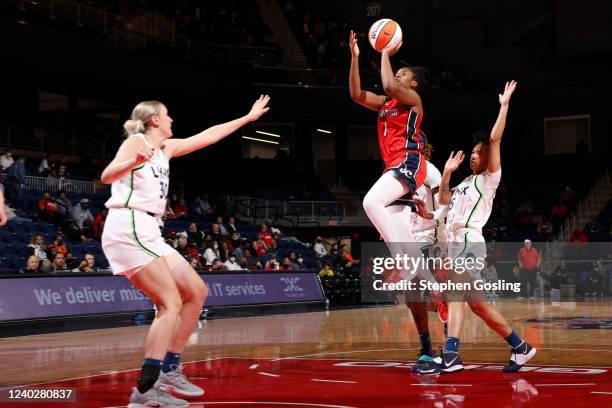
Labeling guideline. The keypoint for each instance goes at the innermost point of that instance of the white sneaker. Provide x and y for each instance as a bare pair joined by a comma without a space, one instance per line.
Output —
176,382
155,398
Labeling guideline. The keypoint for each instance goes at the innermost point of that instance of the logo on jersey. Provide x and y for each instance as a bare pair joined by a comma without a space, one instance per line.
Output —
385,113
462,190
406,172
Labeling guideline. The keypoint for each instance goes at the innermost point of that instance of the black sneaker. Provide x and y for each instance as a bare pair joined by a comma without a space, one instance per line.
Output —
423,360
449,363
519,357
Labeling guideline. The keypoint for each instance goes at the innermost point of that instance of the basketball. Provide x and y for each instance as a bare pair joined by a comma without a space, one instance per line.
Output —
384,33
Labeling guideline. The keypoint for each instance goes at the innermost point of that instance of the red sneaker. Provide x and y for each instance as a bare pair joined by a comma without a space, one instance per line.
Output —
441,305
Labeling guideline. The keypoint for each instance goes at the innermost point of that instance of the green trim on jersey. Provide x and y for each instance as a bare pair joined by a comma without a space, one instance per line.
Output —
137,241
433,205
132,183
467,223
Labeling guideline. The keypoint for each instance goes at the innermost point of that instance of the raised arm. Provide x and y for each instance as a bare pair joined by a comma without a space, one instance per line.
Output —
364,98
498,129
391,86
181,147
132,153
452,164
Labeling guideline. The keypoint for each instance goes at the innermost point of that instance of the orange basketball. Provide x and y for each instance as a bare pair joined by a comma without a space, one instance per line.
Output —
384,33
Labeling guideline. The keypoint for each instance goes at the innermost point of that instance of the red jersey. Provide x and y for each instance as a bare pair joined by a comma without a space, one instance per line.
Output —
399,132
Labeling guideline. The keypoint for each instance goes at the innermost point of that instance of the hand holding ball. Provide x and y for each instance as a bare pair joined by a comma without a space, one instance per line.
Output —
385,34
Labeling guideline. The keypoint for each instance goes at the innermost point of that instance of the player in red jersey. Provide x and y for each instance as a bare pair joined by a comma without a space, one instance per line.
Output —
399,137
399,119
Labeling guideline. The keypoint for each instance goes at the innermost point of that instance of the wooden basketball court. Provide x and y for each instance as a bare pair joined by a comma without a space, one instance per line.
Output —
346,358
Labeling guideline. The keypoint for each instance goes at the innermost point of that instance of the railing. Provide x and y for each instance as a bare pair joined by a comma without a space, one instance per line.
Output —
303,211
70,186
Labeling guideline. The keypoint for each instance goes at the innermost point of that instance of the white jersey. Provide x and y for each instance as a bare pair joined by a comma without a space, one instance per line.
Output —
145,187
424,229
472,202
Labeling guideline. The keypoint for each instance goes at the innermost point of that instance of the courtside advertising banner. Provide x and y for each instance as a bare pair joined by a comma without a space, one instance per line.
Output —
53,296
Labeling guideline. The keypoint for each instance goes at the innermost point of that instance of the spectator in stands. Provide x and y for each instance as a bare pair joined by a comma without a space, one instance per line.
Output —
293,260
224,251
37,248
559,277
15,179
217,265
347,256
319,248
71,262
180,209
194,262
222,228
59,245
65,206
205,205
231,225
98,225
81,214
215,233
43,167
272,264
59,263
259,246
326,271
300,263
211,253
62,172
316,262
524,213
529,263
6,160
568,196
32,265
91,261
83,267
287,265
579,236
265,234
594,282
48,209
231,263
73,232
558,213
238,245
194,234
181,244
234,242
252,263
545,229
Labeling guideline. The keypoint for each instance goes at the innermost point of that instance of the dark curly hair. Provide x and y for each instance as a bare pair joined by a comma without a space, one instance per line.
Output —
419,73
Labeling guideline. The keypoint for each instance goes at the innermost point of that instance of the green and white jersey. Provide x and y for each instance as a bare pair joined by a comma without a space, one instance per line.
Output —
422,226
472,202
145,187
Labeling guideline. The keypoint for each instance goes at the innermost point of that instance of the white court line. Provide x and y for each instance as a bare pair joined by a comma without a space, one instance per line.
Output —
102,373
268,374
253,366
562,385
293,404
443,385
334,381
600,392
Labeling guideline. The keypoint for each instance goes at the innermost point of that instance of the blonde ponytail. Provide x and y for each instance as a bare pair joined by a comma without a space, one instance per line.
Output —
141,115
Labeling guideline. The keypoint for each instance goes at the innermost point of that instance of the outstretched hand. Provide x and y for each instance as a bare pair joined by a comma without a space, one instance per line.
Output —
394,50
353,45
259,108
454,160
504,98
